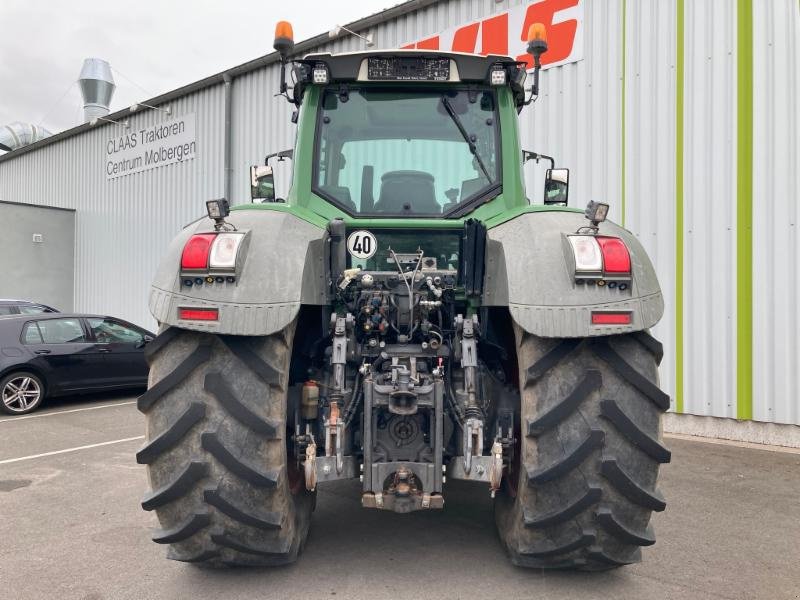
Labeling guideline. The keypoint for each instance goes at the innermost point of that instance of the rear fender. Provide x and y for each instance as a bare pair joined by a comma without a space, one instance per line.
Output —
282,268
528,270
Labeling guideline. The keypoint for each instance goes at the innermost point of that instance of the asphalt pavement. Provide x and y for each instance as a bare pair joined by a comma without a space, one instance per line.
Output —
71,527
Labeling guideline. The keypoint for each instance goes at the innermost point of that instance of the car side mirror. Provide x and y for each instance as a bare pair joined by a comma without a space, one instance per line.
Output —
262,183
556,187
146,339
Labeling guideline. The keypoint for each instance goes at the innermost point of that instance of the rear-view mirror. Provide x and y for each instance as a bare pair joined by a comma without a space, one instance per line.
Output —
262,183
556,187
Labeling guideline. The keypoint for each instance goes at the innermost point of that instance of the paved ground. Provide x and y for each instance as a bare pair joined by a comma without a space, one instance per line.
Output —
71,527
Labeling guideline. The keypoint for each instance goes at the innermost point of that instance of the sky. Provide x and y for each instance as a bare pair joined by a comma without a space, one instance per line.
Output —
153,46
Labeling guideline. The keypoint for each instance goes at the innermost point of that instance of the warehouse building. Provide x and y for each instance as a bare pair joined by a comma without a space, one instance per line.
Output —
682,115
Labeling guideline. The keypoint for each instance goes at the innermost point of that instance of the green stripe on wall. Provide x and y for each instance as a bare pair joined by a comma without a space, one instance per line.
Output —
624,38
744,210
679,212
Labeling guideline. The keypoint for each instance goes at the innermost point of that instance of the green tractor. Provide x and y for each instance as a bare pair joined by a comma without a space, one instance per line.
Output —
405,317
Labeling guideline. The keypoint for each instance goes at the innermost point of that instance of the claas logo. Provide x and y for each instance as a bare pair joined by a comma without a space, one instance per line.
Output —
506,33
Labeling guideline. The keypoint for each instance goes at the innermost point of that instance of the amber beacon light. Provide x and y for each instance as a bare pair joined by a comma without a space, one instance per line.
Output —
537,45
537,40
284,38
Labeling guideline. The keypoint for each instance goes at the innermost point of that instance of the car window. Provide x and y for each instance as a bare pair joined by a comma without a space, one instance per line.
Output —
107,331
32,309
7,310
30,334
61,331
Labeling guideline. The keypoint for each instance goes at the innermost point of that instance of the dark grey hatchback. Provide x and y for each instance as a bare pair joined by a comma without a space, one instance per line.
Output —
55,354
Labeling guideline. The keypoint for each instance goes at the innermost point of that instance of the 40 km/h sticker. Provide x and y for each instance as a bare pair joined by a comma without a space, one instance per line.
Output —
361,244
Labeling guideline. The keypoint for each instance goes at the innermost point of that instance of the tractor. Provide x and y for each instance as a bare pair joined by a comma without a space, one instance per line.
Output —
405,317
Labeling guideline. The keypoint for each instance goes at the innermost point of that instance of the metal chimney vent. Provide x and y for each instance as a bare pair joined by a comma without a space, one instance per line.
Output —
97,88
16,135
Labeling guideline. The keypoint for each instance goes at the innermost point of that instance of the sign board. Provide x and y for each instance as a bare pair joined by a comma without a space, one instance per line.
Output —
506,33
135,150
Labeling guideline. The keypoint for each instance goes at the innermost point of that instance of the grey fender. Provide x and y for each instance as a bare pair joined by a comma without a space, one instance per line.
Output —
528,270
283,268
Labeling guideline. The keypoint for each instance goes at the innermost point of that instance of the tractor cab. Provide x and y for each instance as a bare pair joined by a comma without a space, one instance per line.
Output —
404,133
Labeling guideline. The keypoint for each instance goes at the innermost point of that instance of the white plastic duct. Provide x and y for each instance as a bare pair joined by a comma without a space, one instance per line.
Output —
97,88
16,135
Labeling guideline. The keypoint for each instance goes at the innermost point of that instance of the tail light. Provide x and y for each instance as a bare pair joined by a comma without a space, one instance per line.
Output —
588,257
211,252
195,252
600,257
224,251
616,258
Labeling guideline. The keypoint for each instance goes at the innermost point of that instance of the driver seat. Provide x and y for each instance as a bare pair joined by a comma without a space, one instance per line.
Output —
407,191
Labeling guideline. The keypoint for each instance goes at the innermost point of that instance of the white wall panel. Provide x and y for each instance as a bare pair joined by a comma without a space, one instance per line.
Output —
776,211
650,153
710,208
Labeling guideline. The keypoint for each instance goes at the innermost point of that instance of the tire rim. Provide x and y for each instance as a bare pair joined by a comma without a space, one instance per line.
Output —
21,393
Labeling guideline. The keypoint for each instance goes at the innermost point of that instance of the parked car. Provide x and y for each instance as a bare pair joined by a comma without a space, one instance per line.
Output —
54,354
23,307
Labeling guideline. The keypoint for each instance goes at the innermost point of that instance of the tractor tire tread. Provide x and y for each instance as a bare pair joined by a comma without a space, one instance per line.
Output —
644,441
181,372
174,433
216,452
183,530
590,451
592,381
178,487
215,385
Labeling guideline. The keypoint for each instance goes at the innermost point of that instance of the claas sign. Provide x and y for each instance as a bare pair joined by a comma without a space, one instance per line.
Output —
506,33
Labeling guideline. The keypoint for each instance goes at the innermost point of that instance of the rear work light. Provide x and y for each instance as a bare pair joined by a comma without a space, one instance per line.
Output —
600,257
611,318
211,252
198,314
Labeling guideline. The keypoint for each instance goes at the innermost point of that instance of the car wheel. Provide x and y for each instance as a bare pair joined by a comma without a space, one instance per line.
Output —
20,393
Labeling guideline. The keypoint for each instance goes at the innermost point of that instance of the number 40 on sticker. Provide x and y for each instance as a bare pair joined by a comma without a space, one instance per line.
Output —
361,244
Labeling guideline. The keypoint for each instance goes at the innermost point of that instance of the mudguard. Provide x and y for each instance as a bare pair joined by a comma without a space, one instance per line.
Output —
527,270
283,268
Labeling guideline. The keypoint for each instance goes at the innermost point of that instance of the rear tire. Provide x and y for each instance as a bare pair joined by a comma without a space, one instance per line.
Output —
590,451
224,486
21,392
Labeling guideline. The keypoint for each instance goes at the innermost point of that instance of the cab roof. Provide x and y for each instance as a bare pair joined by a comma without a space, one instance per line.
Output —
470,67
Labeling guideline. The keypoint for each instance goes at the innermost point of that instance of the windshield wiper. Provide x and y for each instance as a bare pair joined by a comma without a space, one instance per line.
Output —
472,147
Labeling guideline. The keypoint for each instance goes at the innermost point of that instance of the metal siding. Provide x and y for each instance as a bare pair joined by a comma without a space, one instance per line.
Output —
776,212
577,119
650,89
710,208
122,226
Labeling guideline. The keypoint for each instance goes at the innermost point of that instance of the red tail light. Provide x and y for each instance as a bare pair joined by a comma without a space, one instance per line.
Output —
198,314
611,318
196,251
616,258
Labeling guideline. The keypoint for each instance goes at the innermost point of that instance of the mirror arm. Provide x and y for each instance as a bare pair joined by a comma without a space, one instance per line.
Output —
528,155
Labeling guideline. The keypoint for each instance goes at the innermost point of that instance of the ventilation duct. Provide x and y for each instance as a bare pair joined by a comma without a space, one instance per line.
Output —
16,135
97,88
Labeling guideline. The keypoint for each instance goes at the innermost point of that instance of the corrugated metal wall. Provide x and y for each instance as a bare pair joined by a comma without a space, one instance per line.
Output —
776,211
710,208
123,225
611,118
